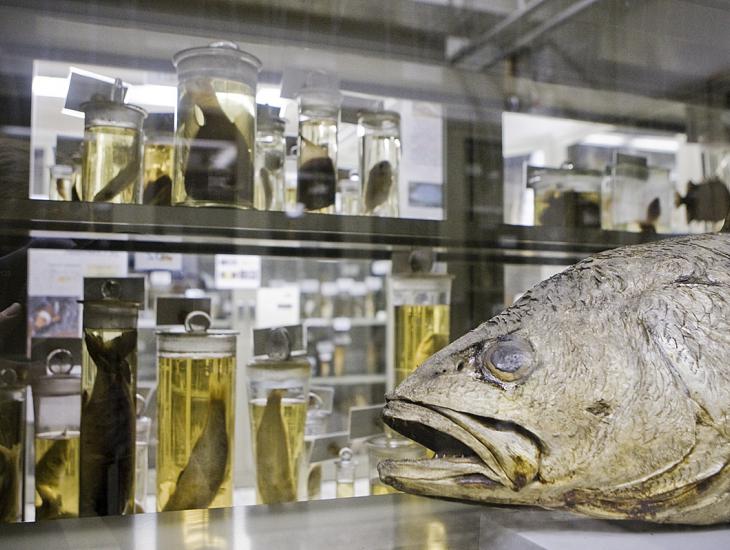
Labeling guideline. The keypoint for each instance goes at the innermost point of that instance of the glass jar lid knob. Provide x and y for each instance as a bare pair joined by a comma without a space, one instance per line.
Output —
59,361
8,377
345,455
197,322
111,289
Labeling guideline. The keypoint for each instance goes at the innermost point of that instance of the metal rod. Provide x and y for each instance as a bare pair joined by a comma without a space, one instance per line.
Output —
505,23
544,27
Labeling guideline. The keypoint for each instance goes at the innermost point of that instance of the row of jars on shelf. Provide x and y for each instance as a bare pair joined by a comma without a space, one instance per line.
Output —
91,444
225,151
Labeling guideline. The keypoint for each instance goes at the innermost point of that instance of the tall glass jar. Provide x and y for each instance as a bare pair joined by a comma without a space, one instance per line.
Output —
278,391
12,441
270,156
420,319
57,404
195,407
112,154
215,127
158,159
319,116
109,388
380,150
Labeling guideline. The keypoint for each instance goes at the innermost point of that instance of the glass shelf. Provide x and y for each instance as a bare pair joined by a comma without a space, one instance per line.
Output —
388,521
212,230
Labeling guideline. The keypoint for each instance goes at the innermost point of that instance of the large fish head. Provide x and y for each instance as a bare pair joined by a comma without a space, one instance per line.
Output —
557,394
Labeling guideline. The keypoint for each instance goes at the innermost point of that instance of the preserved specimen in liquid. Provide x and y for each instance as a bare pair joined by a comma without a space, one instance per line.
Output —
195,432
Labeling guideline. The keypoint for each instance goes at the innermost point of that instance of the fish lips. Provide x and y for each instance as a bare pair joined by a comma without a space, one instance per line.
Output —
470,450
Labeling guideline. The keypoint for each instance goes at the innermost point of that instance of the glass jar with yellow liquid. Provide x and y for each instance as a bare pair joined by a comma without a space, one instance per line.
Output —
215,126
420,319
112,150
195,408
57,407
107,443
319,117
278,391
12,443
380,150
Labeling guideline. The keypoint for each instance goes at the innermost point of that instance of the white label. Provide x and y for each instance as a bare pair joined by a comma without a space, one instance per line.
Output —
154,261
236,271
62,272
276,307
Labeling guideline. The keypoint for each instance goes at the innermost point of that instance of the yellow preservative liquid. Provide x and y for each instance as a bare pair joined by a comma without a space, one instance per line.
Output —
57,475
110,152
277,427
195,432
420,331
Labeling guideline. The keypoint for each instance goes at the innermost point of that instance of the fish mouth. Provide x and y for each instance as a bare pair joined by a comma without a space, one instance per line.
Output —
470,451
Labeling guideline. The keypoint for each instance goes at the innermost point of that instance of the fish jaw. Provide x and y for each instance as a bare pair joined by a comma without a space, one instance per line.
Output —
476,458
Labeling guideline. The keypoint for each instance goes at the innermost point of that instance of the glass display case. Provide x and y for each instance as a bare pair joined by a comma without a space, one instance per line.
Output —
508,129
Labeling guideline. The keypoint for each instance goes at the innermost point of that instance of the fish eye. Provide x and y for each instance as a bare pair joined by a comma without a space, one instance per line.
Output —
509,359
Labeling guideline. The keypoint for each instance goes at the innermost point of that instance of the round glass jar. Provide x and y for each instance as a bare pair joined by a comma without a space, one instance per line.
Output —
215,126
319,116
420,320
108,407
57,407
278,392
195,408
112,152
380,151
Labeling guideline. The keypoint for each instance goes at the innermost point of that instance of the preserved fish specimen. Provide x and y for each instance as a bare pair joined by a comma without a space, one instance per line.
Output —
603,390
158,165
317,175
195,442
215,135
108,430
380,148
277,425
319,115
216,125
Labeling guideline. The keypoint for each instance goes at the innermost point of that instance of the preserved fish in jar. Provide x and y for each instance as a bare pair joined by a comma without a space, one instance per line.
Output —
215,126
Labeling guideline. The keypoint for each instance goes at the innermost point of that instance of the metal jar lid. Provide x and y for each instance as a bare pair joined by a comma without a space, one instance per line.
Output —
196,338
59,381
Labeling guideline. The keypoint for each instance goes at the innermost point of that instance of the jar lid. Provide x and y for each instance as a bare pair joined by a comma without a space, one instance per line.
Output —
114,289
59,381
196,337
379,119
320,89
224,51
112,111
